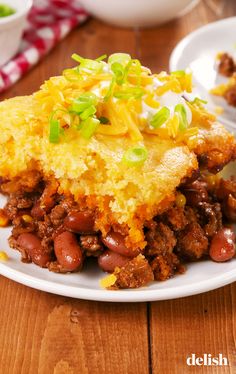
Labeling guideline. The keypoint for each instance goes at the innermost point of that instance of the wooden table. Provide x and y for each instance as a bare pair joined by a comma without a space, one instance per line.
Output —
43,333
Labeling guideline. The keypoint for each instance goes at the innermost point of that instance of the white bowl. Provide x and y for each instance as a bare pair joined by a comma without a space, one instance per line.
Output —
11,28
137,13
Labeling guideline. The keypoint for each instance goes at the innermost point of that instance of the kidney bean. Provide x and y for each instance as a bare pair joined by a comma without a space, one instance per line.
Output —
37,212
116,243
79,222
195,193
68,251
32,245
222,246
108,260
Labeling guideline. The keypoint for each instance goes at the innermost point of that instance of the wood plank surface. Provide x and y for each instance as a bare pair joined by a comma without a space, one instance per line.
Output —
48,334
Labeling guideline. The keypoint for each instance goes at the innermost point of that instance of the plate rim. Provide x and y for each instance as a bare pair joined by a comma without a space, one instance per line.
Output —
128,295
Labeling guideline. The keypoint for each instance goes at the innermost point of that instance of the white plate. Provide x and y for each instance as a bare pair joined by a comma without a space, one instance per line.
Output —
199,277
198,51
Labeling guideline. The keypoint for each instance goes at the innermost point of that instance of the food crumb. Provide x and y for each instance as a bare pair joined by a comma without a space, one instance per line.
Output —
3,256
108,281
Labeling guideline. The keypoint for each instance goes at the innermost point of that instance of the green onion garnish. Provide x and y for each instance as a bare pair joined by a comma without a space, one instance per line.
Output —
89,127
83,102
119,71
110,90
138,70
183,122
160,117
92,66
178,73
101,58
121,58
72,75
129,93
89,112
104,120
198,101
54,131
135,156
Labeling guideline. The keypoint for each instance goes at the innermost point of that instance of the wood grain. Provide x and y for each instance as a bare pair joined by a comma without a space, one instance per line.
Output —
48,334
52,334
200,324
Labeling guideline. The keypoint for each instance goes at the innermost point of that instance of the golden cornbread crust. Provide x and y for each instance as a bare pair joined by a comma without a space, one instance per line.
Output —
92,170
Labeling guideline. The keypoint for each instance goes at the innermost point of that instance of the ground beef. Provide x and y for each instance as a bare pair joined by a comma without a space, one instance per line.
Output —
16,203
226,65
136,273
160,239
210,217
225,192
57,215
91,244
192,242
164,267
230,96
176,217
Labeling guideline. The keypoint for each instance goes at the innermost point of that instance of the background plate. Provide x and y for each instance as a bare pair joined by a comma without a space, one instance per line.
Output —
198,52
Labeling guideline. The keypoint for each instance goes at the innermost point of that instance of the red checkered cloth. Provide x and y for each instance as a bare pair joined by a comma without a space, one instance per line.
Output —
49,21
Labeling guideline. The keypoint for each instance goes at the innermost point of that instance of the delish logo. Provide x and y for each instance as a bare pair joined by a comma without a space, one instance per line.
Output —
207,360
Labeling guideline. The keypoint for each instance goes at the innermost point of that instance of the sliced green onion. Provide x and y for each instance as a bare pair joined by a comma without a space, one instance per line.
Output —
129,93
89,112
160,117
83,102
119,71
178,73
198,101
89,127
77,58
183,122
71,75
122,58
54,131
135,156
138,70
104,120
101,58
87,64
110,90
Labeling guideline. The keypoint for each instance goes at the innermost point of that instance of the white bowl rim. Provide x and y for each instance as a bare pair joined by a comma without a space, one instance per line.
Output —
26,6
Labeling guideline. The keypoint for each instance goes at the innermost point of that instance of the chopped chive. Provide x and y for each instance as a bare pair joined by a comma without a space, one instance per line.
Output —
135,156
183,122
160,117
89,127
54,131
